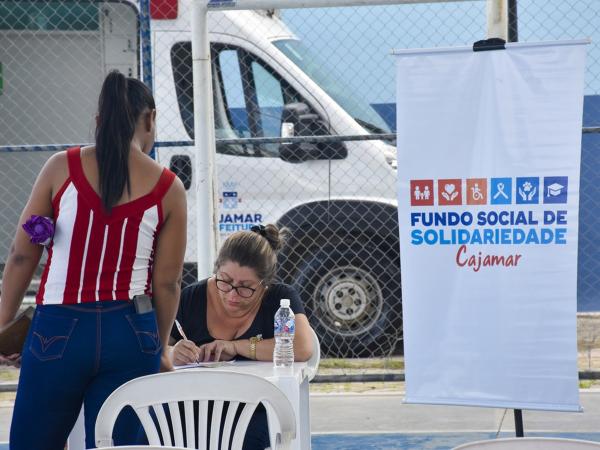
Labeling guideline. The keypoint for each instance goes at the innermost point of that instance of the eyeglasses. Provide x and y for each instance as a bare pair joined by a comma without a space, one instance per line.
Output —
242,291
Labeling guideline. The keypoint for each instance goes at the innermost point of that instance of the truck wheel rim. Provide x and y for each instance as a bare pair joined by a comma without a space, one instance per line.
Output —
349,300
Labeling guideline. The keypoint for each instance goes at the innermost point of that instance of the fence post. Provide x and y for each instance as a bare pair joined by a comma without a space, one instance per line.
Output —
497,19
204,161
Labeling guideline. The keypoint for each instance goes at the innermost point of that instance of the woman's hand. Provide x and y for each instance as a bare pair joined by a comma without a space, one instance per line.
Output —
218,351
185,352
11,360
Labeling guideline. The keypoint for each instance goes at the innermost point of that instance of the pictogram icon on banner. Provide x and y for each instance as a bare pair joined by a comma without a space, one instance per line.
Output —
501,191
476,193
555,189
421,192
528,190
450,191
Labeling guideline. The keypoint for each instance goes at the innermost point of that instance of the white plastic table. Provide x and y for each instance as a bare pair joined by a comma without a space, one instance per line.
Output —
293,382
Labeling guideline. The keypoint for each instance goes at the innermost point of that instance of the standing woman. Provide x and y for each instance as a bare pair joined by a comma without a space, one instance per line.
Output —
120,227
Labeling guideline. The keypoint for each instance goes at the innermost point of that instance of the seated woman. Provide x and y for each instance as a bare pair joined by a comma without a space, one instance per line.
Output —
230,315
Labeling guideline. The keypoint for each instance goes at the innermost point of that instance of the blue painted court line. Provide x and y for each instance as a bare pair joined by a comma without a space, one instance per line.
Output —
420,441
410,441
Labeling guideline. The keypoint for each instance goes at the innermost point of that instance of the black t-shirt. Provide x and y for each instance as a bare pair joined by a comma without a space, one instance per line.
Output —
192,312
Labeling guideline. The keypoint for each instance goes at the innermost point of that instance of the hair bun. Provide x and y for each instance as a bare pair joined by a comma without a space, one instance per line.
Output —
275,236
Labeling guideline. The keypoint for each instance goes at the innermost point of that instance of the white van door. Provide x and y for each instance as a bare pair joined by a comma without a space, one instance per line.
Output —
255,185
250,104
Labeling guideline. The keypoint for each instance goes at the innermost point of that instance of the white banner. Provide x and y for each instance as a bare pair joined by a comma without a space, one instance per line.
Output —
489,150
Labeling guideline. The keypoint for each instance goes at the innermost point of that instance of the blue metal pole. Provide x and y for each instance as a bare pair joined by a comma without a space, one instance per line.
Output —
145,38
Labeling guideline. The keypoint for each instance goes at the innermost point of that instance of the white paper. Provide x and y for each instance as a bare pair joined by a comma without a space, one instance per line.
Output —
205,364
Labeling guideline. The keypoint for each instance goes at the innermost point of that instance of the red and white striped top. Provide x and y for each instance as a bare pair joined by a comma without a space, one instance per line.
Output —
97,256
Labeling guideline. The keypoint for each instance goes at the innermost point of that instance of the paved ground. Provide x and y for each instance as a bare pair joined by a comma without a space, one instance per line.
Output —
374,413
382,421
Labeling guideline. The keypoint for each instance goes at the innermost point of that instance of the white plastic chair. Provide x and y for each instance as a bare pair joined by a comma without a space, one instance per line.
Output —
142,447
312,364
530,443
150,393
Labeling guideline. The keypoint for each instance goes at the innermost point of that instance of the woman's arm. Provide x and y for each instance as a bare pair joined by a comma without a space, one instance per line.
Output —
24,256
303,345
168,263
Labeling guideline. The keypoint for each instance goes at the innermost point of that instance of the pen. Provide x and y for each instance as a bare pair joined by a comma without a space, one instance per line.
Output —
180,329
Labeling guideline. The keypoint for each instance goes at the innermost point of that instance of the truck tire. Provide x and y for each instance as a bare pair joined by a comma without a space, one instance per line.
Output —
351,291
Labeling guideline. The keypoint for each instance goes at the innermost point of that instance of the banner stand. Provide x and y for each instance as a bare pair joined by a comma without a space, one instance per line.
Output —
489,44
519,423
481,294
479,46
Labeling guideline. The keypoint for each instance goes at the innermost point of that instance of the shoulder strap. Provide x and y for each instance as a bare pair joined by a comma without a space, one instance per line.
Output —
164,183
74,162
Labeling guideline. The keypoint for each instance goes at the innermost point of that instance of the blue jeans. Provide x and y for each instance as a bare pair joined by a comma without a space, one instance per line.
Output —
79,354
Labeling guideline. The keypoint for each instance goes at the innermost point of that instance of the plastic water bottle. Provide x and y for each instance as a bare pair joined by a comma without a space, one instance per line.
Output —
285,327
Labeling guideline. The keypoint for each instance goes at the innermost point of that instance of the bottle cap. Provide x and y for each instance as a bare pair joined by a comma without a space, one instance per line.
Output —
285,302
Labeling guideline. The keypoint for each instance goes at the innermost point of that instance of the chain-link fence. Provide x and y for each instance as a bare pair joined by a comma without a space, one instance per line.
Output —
53,58
304,72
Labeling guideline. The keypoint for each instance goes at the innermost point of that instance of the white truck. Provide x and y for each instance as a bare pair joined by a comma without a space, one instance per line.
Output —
337,199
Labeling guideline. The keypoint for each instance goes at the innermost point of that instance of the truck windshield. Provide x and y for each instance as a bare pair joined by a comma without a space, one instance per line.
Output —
311,64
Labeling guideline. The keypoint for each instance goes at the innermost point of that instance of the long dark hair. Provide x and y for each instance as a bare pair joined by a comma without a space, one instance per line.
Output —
122,101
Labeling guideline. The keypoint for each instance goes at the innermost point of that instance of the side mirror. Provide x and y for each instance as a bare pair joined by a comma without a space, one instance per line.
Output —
298,120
